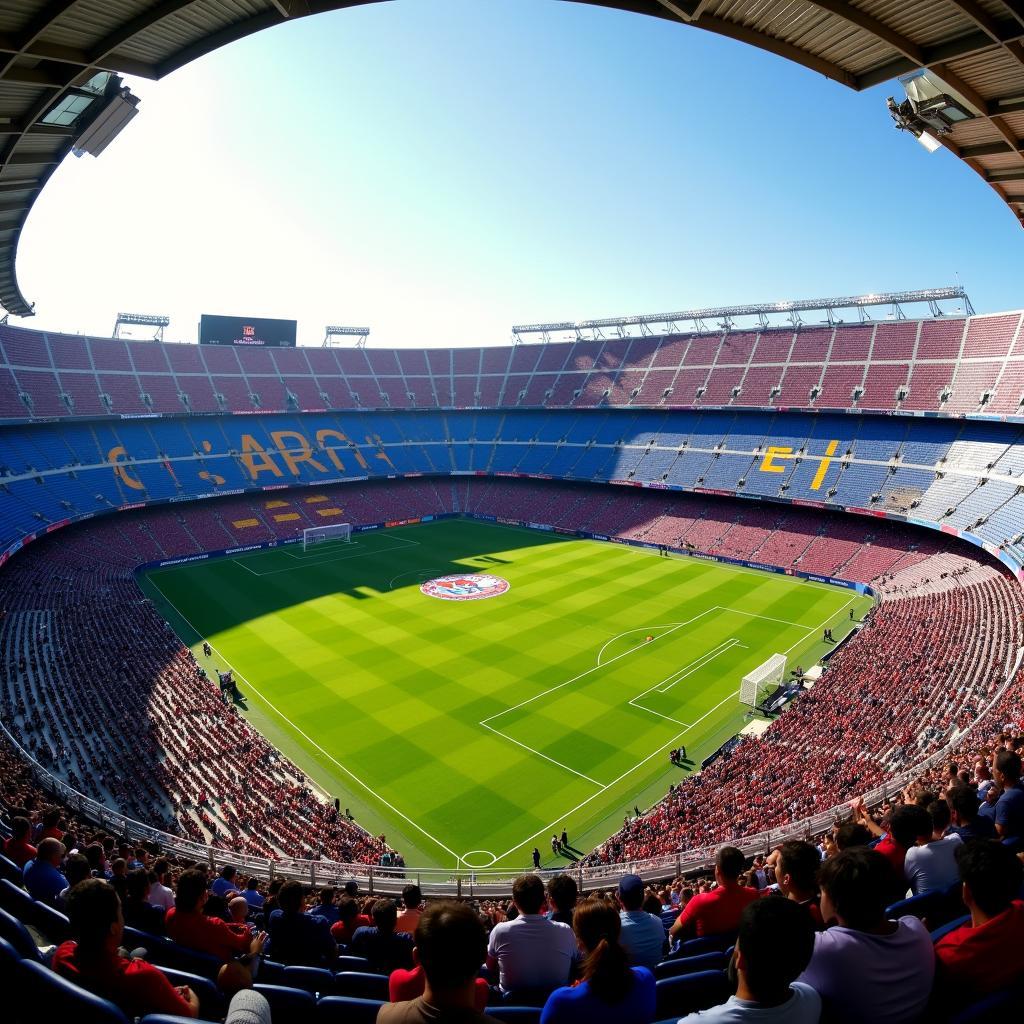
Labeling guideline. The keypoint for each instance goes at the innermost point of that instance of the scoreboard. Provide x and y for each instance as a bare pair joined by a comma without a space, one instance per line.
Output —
240,330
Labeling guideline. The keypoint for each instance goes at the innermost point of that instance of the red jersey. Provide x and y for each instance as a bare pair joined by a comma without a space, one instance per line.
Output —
207,934
715,912
892,852
135,986
404,985
342,933
973,962
19,851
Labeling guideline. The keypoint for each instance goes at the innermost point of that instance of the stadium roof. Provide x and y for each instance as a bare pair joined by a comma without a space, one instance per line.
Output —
54,55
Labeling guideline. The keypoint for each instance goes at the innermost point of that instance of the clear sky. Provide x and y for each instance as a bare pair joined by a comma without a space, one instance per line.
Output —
439,170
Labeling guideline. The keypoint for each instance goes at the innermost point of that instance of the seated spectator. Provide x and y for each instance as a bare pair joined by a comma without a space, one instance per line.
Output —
238,912
531,952
76,869
188,926
160,895
1010,807
119,877
409,917
931,864
450,946
325,906
867,968
42,875
717,912
987,808
50,826
224,882
296,938
18,848
138,911
93,961
385,948
642,935
349,921
610,991
252,894
774,946
966,822
796,869
563,892
985,955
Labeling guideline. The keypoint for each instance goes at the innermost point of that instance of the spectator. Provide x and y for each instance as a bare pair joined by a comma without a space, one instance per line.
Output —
18,848
985,955
932,863
853,833
717,912
531,953
867,968
160,894
76,869
224,883
325,906
50,828
966,822
42,876
1010,808
906,823
296,938
138,911
562,895
610,991
93,961
450,946
385,948
987,808
410,915
187,925
641,935
796,869
774,946
238,912
350,920
252,894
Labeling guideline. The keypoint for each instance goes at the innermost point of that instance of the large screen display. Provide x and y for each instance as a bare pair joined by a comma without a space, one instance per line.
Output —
241,330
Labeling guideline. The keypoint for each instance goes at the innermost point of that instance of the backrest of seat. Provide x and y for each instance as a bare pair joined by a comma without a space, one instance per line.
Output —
41,987
288,1005
361,984
346,1010
310,979
18,936
676,997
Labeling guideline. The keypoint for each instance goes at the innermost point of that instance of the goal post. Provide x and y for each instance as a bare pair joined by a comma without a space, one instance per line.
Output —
766,677
321,534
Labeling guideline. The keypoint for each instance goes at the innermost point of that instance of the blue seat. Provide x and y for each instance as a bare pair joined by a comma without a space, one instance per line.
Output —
526,997
924,904
676,997
52,923
9,870
707,944
18,936
361,984
957,922
40,987
515,1014
347,1010
288,1005
669,918
212,1003
350,963
165,953
8,958
271,973
16,900
310,979
679,966
992,1007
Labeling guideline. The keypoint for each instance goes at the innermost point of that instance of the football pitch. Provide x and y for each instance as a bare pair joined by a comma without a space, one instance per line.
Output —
469,731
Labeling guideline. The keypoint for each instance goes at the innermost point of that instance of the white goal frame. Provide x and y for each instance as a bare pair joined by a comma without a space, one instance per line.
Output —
770,673
313,535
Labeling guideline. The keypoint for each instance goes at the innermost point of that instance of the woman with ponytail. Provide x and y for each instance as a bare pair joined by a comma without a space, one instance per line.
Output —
610,991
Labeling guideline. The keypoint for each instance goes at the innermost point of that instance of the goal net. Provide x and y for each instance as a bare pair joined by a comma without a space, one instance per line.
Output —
321,534
763,680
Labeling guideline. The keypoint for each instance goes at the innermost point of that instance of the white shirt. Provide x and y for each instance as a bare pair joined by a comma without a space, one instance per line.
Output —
532,952
161,896
802,1007
933,866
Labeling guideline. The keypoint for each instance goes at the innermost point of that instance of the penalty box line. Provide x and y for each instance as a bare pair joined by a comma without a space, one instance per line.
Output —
304,562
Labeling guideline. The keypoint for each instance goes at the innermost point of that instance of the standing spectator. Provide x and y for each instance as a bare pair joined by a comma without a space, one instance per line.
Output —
92,959
450,946
931,864
296,938
42,876
531,953
224,882
774,946
18,849
867,968
385,948
188,926
410,915
642,935
796,869
985,955
610,992
562,895
717,912
160,894
350,920
1010,808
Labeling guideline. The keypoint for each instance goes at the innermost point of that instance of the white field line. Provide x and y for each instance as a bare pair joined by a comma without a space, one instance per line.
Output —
679,675
421,572
784,622
511,739
311,741
821,625
639,629
304,563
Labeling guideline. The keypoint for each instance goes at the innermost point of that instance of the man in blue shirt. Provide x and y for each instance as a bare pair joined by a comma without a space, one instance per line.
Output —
42,876
224,882
296,938
1010,808
643,935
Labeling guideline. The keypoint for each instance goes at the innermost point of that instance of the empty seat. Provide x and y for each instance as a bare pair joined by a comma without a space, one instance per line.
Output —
676,997
361,984
346,1010
14,932
288,1005
309,979
679,966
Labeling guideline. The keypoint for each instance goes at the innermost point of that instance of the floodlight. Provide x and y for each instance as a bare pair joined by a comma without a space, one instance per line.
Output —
929,142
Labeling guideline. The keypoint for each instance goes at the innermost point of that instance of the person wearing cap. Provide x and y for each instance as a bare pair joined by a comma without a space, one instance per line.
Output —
643,935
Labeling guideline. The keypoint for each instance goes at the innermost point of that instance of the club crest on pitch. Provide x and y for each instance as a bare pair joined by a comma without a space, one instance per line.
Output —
469,587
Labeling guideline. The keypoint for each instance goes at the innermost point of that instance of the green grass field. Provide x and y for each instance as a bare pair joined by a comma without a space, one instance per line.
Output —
470,731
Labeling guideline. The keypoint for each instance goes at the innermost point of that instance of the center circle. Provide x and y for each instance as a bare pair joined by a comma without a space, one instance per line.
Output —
468,587
481,853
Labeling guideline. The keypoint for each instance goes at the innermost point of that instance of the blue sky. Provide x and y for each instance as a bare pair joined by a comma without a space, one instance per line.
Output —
439,170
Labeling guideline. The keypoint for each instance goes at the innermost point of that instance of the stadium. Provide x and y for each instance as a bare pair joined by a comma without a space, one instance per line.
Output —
625,601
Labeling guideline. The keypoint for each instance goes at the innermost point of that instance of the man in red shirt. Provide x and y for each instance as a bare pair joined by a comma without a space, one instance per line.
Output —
349,919
718,911
18,848
93,962
984,956
187,925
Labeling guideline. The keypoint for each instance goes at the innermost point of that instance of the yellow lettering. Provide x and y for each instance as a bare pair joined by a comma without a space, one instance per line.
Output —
332,452
260,462
375,440
115,457
769,465
291,457
819,477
